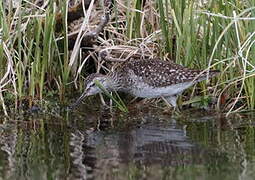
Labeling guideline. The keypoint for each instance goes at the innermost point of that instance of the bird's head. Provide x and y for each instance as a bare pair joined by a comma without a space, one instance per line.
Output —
91,84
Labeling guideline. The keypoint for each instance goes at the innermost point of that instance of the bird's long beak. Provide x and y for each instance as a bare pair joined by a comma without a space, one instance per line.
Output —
78,101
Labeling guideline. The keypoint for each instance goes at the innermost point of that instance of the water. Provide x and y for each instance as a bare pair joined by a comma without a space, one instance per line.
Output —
138,145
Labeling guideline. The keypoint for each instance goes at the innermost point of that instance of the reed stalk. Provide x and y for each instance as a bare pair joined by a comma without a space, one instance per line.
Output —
213,35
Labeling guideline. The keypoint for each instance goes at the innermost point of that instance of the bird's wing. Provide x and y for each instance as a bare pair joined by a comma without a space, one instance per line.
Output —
160,73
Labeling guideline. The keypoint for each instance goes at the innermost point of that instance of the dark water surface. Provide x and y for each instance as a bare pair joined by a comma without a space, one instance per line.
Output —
138,145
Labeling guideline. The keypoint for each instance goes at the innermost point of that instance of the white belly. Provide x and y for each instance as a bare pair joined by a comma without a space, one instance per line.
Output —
145,91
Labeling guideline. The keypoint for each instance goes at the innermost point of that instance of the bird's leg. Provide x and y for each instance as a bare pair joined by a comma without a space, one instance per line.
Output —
173,101
105,105
102,99
170,100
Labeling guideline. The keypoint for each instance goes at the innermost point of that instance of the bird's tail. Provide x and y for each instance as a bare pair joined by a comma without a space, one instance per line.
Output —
203,75
212,73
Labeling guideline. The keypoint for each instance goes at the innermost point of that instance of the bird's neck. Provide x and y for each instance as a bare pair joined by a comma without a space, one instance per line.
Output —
113,83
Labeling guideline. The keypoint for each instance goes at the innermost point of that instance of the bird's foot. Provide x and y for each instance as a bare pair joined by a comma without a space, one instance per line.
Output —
176,112
173,111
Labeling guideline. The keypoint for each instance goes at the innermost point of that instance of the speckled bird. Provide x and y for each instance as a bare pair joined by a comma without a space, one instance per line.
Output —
147,78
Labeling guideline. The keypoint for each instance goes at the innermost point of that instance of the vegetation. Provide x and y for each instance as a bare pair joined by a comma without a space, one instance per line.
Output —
36,60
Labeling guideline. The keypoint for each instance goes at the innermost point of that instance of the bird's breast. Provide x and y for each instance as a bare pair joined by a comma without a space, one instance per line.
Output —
146,91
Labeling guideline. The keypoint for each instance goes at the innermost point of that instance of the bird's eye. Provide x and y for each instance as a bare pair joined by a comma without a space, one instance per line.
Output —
89,85
93,84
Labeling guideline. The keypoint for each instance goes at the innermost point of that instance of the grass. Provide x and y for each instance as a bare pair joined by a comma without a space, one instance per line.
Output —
118,101
215,34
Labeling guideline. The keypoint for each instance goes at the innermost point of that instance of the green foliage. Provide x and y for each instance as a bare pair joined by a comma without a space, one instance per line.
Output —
118,101
212,35
133,17
218,34
35,55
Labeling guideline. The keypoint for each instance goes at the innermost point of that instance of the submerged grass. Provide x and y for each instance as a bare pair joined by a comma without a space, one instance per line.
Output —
118,101
198,34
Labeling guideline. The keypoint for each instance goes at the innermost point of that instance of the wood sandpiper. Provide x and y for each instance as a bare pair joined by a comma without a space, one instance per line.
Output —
150,78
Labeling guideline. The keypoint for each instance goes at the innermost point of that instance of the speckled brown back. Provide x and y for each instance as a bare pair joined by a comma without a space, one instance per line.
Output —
159,73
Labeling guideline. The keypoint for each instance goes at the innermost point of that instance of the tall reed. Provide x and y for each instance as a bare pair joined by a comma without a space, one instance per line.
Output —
212,35
205,38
